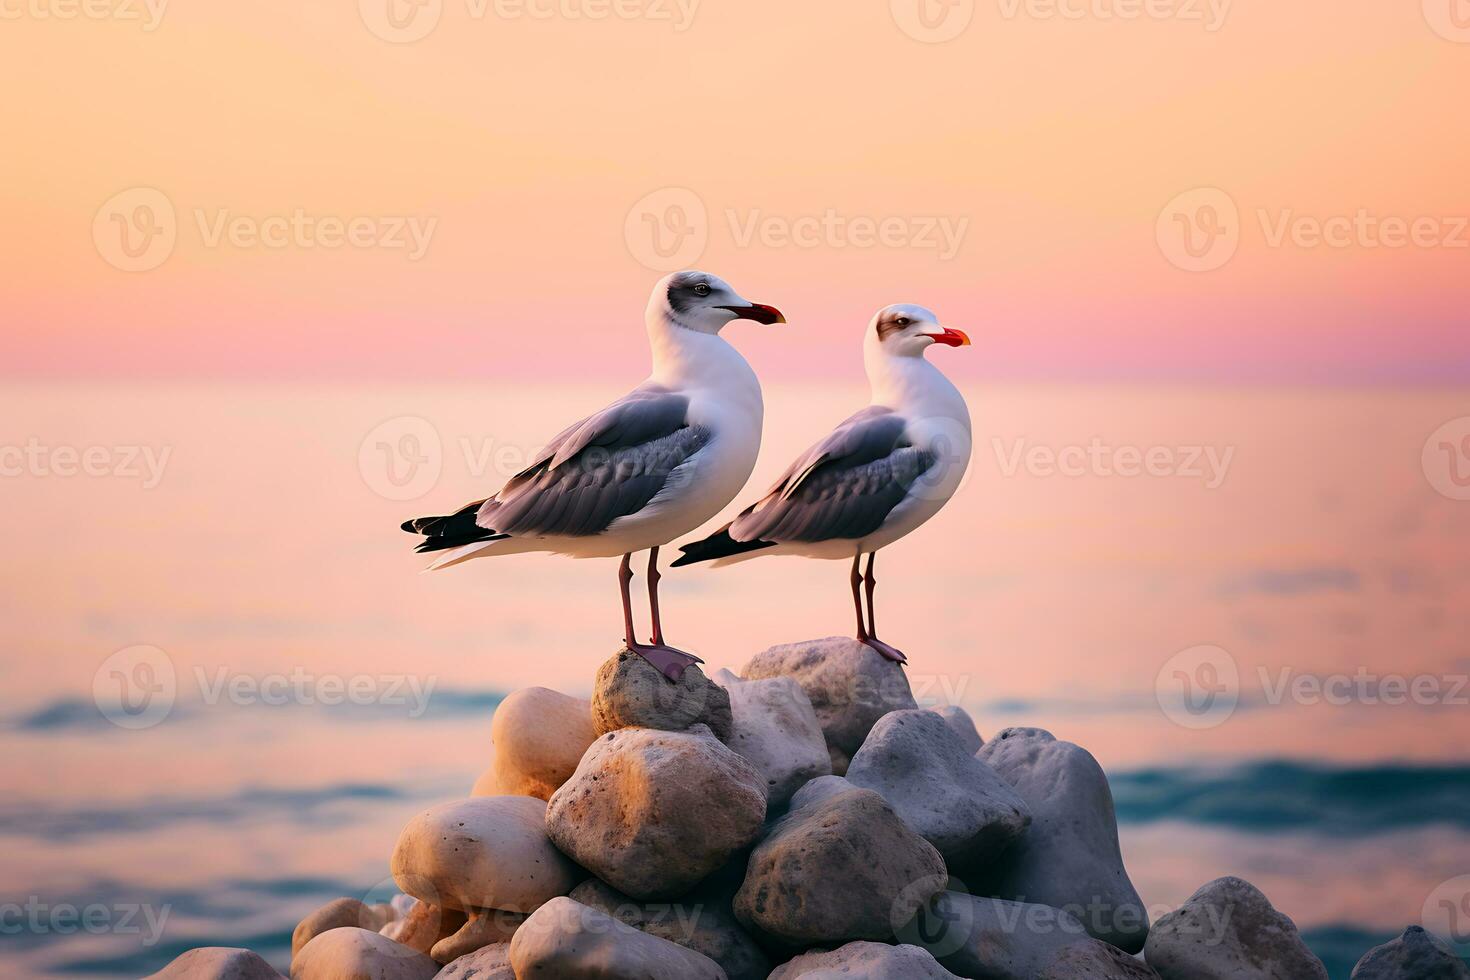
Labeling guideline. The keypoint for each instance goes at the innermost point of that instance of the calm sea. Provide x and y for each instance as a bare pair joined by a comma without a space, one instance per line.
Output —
226,685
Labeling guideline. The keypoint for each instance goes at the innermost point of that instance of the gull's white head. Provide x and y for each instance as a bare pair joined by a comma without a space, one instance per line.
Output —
698,301
905,330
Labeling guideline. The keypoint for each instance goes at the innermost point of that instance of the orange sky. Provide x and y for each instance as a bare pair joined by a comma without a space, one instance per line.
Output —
520,136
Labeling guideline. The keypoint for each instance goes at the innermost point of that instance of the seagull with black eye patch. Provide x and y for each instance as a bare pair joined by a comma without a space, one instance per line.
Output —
875,478
650,467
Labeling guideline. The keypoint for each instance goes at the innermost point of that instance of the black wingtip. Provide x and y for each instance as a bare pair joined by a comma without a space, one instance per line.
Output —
408,526
716,546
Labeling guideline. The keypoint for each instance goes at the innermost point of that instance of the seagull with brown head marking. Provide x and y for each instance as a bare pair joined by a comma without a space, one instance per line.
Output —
652,466
876,477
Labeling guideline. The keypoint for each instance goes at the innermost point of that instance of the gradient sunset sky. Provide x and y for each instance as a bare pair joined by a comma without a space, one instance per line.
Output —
529,135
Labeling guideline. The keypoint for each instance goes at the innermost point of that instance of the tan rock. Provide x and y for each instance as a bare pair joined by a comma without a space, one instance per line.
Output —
653,812
565,940
540,736
632,693
481,929
423,926
336,914
488,852
217,963
357,954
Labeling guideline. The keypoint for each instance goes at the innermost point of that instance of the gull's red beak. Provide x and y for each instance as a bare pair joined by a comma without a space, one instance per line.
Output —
759,312
952,338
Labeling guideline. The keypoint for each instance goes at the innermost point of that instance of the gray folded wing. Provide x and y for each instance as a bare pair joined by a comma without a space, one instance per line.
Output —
842,488
608,466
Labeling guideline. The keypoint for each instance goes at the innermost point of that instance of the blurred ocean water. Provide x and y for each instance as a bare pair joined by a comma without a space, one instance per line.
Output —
301,690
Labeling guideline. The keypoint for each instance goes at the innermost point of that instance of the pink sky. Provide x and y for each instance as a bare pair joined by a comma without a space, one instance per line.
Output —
1056,144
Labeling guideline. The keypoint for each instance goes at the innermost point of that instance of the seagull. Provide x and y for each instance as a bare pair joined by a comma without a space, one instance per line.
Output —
876,477
652,466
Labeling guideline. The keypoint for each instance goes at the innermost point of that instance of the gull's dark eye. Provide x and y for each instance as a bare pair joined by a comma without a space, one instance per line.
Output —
701,289
904,321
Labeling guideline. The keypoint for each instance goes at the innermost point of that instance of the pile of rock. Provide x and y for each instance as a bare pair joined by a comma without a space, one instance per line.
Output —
803,819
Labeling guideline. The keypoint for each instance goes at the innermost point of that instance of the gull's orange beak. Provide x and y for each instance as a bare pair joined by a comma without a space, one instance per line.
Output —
759,312
951,338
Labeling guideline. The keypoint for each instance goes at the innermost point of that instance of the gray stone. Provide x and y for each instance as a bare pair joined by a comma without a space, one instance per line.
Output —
964,726
1069,857
653,812
927,773
487,852
486,963
357,954
849,684
1416,955
565,940
998,940
775,729
217,963
864,961
819,789
630,692
1228,930
703,921
840,869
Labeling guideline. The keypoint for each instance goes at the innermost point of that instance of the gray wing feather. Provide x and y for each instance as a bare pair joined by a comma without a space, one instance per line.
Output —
608,466
842,488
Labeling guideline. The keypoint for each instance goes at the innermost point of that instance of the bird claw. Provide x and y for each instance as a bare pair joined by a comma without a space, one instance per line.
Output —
670,662
885,651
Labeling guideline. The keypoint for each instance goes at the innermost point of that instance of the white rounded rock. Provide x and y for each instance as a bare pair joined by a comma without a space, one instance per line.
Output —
1228,930
849,684
488,852
864,961
776,730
